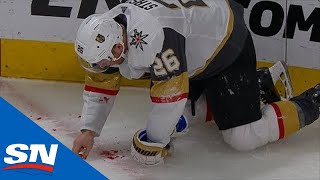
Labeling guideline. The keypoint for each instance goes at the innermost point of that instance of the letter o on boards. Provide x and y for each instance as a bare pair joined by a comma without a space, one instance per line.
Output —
256,17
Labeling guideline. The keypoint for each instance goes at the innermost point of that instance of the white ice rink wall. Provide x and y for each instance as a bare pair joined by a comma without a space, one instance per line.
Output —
37,36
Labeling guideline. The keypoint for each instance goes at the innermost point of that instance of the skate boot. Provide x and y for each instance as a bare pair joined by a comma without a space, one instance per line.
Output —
309,104
268,77
312,94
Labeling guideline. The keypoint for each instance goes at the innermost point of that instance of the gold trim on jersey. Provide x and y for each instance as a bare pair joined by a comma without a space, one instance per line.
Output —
221,45
103,81
188,5
176,86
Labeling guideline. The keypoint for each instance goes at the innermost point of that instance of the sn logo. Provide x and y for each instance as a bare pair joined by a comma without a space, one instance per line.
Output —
18,156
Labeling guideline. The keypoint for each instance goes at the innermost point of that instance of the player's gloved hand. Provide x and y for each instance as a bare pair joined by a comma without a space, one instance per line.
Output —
147,153
83,144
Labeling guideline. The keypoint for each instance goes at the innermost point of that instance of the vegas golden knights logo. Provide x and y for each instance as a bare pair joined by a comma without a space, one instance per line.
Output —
138,39
100,38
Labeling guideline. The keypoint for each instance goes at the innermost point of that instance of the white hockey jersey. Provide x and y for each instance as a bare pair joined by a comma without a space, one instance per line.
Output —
173,40
203,24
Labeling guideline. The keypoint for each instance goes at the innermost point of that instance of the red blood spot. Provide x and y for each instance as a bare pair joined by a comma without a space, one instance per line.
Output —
113,157
54,129
39,118
106,99
109,154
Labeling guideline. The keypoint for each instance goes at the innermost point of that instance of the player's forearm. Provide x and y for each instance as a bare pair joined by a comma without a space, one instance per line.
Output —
96,109
166,116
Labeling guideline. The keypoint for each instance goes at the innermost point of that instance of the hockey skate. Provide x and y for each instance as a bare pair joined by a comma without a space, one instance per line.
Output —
309,105
312,95
268,78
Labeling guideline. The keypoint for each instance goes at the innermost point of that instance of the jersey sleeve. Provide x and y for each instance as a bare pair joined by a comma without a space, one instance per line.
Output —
169,81
99,94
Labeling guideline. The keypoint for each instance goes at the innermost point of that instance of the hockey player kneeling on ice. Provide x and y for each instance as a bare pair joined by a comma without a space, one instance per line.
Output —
188,49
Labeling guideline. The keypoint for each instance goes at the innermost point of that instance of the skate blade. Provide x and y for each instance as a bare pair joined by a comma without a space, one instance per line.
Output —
280,72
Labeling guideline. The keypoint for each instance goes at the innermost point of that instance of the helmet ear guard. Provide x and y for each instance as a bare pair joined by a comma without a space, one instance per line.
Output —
95,39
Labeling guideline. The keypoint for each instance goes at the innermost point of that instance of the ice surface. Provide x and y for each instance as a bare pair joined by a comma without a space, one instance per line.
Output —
201,154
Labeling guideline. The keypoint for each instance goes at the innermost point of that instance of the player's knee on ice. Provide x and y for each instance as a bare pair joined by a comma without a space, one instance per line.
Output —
251,136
